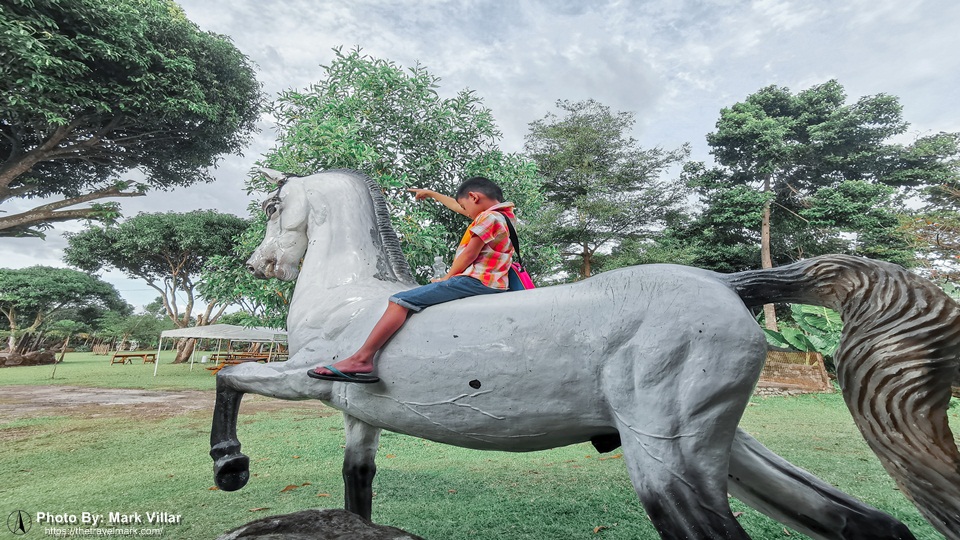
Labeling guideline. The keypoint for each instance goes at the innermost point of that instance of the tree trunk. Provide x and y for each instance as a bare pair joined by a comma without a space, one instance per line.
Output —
63,351
12,323
184,350
585,267
766,260
29,342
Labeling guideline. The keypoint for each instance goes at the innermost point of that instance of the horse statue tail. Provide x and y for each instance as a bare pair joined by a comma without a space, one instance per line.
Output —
897,358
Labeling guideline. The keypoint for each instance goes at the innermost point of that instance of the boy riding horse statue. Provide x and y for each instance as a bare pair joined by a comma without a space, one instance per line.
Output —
660,360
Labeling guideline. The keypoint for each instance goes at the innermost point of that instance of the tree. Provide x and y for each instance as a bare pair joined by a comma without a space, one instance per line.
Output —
936,237
226,278
803,174
91,89
167,251
143,328
371,115
30,296
935,229
601,186
65,329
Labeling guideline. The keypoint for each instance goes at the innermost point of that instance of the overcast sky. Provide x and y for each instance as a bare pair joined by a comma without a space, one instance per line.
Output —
674,63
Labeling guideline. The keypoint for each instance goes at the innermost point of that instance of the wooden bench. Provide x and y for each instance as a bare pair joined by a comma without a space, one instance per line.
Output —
223,360
127,357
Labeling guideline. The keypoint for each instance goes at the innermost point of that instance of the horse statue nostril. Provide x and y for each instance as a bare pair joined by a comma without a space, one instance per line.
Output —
252,269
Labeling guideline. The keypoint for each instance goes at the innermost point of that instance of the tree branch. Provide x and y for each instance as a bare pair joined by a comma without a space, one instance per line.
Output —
12,170
798,216
19,191
20,224
219,314
47,213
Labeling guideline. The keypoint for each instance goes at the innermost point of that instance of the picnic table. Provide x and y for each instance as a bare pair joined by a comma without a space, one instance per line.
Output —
223,360
128,356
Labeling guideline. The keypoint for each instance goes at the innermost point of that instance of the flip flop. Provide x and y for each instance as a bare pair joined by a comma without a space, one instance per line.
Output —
340,376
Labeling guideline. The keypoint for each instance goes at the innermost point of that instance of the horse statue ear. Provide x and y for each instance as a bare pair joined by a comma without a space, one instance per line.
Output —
274,176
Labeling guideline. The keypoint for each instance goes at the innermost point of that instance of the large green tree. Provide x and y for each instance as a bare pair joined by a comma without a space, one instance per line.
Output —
92,89
803,174
602,187
167,251
31,296
936,236
226,278
371,115
935,228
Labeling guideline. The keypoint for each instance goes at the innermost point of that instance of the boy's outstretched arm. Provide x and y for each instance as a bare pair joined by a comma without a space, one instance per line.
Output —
449,202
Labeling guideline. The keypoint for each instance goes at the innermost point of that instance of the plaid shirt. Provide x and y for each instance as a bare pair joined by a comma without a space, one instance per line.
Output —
493,262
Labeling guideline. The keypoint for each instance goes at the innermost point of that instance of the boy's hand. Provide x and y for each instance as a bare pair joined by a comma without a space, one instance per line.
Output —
446,200
421,194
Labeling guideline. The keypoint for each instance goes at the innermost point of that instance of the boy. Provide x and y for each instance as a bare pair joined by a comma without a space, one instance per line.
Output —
481,266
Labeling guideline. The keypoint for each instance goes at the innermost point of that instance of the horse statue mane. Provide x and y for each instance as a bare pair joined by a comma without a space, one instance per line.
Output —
388,235
660,360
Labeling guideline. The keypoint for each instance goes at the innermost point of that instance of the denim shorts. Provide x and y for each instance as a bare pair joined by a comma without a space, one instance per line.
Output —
454,288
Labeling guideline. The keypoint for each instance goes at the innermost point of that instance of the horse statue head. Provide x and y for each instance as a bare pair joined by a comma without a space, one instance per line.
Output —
345,221
285,241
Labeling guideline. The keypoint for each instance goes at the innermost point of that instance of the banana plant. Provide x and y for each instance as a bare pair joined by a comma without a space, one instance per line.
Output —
814,329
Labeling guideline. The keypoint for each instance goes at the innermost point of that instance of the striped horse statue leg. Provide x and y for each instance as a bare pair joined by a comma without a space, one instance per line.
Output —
897,357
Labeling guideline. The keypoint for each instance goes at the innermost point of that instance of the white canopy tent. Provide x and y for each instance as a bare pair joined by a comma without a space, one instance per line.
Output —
220,332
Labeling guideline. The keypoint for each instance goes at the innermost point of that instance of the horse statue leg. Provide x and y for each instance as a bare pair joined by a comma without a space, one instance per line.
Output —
359,465
680,481
895,362
677,423
231,469
796,498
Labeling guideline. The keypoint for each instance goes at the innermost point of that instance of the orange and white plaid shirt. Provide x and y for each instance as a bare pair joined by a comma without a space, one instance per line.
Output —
492,265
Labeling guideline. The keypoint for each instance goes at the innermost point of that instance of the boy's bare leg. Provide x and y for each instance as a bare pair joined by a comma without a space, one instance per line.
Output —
362,360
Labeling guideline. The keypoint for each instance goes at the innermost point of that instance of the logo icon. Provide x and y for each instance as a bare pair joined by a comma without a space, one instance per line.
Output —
19,522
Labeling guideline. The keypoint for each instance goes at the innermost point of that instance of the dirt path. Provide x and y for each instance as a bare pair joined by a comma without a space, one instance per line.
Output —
17,402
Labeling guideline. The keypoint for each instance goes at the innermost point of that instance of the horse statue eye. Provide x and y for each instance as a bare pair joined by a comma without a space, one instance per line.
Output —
270,207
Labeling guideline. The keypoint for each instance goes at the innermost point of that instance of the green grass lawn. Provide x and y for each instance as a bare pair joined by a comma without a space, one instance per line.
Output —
70,464
87,369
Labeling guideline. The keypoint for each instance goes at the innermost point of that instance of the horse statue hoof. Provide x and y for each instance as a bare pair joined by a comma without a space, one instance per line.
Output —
231,472
231,469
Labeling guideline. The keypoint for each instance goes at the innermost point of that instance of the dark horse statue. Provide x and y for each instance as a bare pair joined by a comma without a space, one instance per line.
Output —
658,359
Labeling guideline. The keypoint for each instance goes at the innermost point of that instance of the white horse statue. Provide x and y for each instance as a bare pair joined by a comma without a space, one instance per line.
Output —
660,359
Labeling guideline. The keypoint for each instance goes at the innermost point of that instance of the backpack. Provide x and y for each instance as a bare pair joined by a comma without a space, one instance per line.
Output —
519,278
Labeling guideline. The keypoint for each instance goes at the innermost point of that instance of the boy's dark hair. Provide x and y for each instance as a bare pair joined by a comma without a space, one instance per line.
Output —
480,184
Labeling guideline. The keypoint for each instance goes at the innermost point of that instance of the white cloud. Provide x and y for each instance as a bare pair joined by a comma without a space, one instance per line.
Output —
675,64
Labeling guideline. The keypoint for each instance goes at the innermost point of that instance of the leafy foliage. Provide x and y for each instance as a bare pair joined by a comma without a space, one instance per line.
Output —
370,115
143,328
813,329
166,250
90,89
601,186
827,168
935,230
31,296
